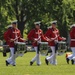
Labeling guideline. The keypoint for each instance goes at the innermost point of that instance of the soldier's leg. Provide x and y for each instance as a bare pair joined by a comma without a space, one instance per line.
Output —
10,59
53,53
73,56
37,57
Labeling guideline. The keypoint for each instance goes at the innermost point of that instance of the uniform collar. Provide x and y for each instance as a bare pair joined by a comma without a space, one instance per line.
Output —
37,29
14,28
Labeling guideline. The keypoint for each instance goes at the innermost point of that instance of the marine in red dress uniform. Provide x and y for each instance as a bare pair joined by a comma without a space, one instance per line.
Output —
54,36
11,36
36,35
72,45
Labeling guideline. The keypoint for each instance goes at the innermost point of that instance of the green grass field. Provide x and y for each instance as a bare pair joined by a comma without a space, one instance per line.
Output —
23,67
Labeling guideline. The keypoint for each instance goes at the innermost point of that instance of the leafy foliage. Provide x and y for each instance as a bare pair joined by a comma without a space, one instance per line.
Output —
28,11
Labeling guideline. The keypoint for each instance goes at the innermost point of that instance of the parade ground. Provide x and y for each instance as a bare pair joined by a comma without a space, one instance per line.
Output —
23,68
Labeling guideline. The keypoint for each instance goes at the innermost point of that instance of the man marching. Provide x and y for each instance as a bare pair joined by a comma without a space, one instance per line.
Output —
72,45
36,36
54,36
11,36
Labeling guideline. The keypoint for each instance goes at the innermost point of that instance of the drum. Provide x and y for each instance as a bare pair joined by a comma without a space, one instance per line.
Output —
61,47
20,48
43,48
5,50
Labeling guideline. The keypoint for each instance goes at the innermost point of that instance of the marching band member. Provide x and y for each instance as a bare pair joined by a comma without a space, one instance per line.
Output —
11,36
54,36
72,45
36,36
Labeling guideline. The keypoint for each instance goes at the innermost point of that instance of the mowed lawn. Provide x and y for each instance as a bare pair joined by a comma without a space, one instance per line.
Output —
23,67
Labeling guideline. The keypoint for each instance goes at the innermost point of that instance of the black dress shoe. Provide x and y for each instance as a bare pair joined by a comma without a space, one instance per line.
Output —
38,64
72,61
13,65
7,63
31,63
46,61
67,60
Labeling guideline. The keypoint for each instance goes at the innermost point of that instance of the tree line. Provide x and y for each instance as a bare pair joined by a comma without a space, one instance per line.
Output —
26,12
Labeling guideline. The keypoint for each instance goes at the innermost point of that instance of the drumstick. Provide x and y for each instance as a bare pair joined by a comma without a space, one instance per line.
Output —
16,38
54,38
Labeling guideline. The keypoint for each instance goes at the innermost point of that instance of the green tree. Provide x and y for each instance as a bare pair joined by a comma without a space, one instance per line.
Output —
25,10
62,11
3,18
28,11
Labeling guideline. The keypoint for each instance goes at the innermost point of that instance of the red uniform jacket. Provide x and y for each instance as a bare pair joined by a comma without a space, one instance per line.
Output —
72,36
52,33
36,34
12,34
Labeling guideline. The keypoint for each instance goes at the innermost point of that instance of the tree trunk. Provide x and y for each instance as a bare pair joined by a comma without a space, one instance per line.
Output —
21,26
63,29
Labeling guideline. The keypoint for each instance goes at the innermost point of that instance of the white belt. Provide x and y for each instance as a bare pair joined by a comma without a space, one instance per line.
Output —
72,39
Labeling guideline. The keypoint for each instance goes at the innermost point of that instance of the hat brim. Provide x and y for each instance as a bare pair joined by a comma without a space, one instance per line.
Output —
37,24
72,26
14,23
54,23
